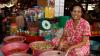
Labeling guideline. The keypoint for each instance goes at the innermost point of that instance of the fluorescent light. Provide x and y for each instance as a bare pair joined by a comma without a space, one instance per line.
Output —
91,6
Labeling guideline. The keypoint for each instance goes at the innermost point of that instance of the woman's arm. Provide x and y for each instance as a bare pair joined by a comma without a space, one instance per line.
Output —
62,38
61,43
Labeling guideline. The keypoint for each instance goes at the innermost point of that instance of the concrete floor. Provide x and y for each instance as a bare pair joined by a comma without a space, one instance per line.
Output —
0,51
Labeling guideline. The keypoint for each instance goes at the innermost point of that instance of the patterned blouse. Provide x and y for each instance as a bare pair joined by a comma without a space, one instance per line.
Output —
75,36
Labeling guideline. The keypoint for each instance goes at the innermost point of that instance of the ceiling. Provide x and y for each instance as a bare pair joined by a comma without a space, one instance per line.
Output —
4,1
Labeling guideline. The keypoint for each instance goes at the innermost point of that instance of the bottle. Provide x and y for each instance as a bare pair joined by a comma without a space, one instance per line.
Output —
13,29
40,14
8,27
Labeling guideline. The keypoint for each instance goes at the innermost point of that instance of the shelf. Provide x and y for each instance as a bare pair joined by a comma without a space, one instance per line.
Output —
95,33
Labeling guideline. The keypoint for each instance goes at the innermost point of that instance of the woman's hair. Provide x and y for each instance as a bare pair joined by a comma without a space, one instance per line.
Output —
83,11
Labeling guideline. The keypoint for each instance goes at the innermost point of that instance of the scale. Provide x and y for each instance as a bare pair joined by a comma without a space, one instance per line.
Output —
46,25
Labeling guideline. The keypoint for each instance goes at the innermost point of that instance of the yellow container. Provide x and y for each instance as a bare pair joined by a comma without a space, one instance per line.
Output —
49,12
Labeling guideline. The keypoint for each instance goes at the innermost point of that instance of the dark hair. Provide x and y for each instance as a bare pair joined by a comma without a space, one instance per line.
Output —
83,11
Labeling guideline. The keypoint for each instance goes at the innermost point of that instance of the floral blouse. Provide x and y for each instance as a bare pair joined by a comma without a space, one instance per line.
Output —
75,36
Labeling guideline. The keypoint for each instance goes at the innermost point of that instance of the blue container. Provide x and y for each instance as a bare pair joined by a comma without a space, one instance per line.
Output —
48,37
94,45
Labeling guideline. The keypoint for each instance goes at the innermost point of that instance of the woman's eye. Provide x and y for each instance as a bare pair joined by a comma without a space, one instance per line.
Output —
77,11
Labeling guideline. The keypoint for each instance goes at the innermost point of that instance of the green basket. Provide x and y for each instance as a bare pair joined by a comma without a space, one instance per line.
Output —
62,20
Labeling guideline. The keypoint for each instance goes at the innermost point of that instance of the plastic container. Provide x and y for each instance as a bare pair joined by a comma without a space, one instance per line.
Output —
48,37
10,39
14,48
94,45
13,28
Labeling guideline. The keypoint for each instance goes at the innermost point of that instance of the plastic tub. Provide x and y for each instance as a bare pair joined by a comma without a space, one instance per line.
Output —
10,39
14,48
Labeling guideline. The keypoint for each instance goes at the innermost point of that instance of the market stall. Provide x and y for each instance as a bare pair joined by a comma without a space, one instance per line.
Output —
33,29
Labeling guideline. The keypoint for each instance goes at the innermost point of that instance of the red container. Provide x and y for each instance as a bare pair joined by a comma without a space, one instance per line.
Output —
30,39
10,39
14,48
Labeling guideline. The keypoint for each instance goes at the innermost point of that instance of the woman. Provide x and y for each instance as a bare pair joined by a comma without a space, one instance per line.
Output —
76,34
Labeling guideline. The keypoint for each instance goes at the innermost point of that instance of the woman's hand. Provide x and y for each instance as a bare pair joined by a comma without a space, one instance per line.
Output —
69,50
56,48
63,46
65,33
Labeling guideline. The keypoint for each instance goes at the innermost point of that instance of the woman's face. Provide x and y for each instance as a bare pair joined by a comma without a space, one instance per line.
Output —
76,12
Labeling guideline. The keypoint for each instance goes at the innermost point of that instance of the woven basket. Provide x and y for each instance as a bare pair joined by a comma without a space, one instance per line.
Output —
39,47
